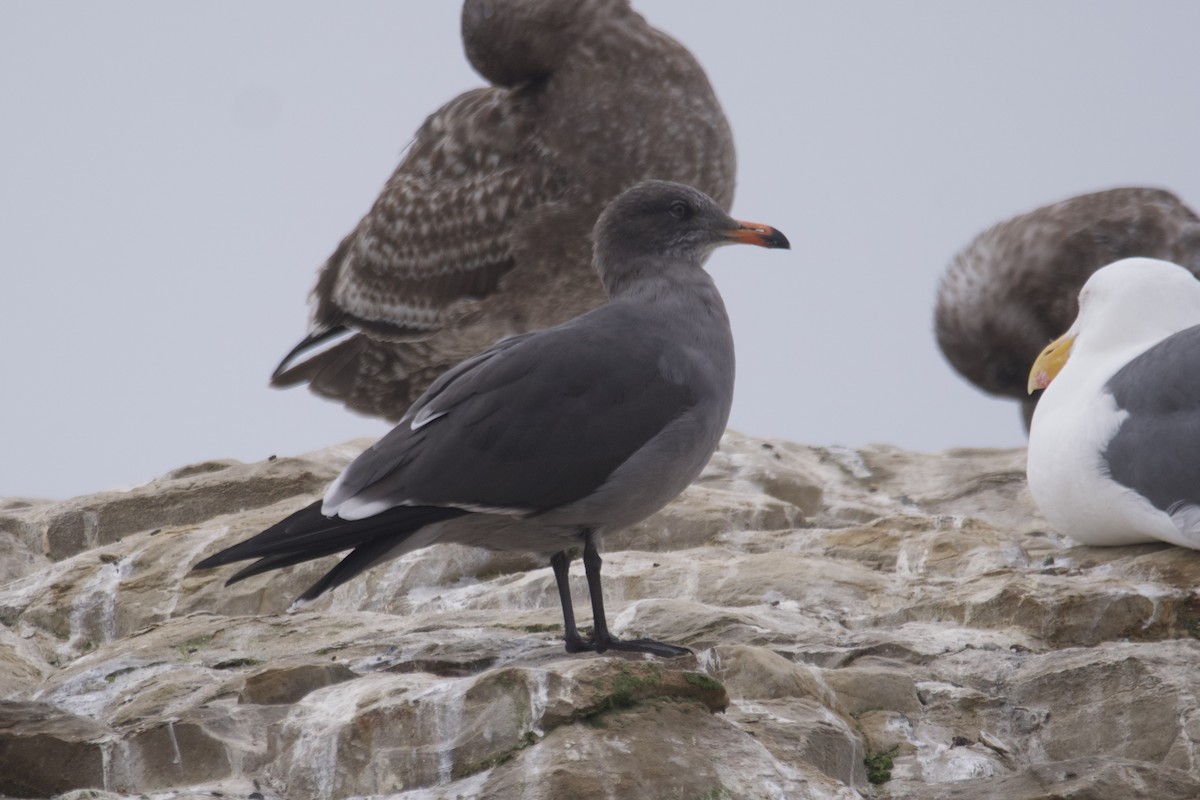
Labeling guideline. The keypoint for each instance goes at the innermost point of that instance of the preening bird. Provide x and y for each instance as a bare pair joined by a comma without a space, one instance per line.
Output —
548,440
1114,449
1014,288
586,100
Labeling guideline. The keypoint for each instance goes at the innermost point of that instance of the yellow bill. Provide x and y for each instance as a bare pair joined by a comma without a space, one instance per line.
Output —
1050,362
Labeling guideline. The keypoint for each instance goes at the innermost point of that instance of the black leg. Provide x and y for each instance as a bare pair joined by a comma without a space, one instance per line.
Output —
601,639
591,568
560,562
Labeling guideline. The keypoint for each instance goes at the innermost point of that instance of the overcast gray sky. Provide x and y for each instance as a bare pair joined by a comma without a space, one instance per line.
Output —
173,174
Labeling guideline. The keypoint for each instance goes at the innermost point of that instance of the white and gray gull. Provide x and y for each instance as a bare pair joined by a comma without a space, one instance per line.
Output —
1014,288
586,100
1114,449
548,440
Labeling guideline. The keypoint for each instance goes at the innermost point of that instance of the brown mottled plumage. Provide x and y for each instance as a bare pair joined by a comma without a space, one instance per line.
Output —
1015,287
483,230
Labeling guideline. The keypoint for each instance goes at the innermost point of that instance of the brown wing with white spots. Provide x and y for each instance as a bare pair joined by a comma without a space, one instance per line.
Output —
484,230
439,231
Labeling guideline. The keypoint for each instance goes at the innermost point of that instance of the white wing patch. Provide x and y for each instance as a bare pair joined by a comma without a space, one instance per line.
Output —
355,508
425,416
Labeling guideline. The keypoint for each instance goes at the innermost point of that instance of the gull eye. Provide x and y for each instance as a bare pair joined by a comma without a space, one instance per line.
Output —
680,210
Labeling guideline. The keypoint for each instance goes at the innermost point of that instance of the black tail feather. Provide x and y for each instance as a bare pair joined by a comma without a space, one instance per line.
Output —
268,563
370,375
308,534
363,558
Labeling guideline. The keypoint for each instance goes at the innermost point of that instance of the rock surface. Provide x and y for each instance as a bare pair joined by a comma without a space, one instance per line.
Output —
870,623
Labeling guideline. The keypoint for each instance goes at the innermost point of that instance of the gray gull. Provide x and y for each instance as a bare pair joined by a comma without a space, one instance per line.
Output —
548,440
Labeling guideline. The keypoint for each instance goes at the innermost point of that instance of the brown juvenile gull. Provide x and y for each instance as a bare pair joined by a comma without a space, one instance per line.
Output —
1014,288
587,100
1114,450
548,440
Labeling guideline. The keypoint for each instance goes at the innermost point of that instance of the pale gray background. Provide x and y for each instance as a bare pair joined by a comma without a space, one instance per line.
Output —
172,175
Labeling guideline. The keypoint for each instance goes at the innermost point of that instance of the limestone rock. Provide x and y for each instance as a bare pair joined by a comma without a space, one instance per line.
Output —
857,616
186,496
44,750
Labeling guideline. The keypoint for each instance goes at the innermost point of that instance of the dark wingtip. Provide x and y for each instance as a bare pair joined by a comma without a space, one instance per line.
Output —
209,563
289,374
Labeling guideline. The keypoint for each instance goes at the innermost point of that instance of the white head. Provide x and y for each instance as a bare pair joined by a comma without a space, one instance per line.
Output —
1124,308
1136,301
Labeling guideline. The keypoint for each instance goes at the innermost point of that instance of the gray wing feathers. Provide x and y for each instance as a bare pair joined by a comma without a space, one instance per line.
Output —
1156,450
386,454
534,423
